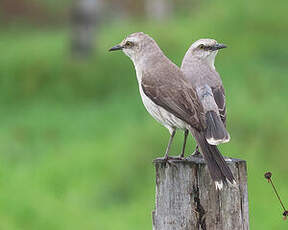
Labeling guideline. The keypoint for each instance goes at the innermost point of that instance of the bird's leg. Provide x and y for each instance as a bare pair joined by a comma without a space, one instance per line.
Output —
184,143
166,157
196,152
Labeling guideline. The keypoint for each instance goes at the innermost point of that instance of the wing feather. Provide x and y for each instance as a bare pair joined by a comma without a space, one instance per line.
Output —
219,97
177,97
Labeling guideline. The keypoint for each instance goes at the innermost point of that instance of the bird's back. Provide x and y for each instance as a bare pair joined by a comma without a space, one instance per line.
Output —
167,87
200,74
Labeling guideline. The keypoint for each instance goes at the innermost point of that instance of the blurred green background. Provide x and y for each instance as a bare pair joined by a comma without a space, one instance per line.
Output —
76,144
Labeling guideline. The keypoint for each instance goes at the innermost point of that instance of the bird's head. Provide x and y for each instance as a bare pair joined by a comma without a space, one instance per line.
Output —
205,49
136,45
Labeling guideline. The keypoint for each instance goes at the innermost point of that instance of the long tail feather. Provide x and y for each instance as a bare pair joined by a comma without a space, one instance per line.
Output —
217,166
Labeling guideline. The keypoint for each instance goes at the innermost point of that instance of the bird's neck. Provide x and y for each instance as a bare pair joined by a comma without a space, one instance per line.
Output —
210,60
147,62
194,61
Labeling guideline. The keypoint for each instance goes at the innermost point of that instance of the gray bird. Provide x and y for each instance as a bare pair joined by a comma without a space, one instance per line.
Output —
198,68
171,100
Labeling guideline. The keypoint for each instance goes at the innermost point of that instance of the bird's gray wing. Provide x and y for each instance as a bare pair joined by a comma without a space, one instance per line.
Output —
174,96
219,97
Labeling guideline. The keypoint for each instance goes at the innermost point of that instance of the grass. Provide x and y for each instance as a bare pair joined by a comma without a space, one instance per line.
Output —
59,170
77,144
67,166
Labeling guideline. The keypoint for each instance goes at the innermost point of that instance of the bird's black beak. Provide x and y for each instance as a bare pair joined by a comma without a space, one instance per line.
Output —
218,46
117,47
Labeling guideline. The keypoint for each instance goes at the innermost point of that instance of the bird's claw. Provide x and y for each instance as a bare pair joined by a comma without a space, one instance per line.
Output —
170,160
196,154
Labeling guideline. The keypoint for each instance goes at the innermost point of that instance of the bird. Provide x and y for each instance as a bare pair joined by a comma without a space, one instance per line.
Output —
167,119
172,100
199,69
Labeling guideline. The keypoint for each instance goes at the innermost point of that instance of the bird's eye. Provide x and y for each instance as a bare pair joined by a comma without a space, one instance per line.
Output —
129,44
201,46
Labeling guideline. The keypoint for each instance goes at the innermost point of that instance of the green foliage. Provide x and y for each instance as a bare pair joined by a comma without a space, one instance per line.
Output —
77,145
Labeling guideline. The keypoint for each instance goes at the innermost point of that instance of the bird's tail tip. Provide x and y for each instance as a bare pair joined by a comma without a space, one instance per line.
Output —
219,184
216,132
213,141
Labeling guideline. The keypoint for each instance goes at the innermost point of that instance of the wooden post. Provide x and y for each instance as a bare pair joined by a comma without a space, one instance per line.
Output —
186,197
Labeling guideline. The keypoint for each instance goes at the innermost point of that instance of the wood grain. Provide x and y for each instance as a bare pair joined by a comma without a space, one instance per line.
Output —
186,197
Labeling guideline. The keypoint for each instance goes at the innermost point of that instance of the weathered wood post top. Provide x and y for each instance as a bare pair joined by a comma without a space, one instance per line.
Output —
186,197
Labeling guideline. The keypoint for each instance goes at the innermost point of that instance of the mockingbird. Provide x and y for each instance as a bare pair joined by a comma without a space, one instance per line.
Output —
198,68
171,100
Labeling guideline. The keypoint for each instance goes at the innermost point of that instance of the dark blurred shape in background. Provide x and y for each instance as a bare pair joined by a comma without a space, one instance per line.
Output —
85,17
159,9
76,144
30,11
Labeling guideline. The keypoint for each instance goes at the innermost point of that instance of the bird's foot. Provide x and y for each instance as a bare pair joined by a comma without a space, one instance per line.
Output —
176,158
196,153
171,160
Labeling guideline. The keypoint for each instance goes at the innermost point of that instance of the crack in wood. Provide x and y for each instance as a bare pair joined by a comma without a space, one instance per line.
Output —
186,198
201,222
